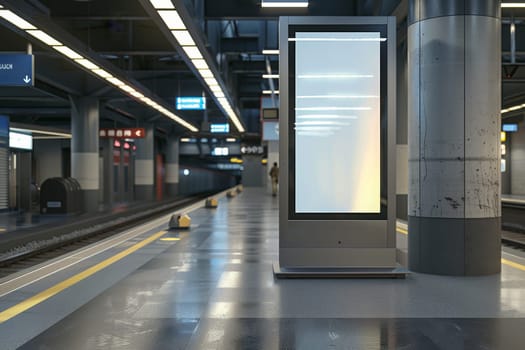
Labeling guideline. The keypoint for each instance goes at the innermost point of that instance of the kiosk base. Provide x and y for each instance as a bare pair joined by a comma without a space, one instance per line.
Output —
321,272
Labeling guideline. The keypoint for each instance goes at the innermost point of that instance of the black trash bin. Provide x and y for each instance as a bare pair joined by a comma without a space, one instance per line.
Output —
60,196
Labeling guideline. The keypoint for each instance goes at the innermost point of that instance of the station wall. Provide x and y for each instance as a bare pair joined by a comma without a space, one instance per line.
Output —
193,180
517,160
47,159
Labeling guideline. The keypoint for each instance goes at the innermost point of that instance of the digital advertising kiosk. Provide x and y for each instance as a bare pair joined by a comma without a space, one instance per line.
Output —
337,213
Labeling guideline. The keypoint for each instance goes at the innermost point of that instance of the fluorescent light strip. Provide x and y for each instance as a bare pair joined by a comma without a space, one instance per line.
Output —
183,37
66,51
320,123
512,4
87,64
162,4
172,19
16,20
270,76
270,52
174,22
200,63
44,37
95,69
336,39
513,108
44,132
284,4
334,76
269,92
193,52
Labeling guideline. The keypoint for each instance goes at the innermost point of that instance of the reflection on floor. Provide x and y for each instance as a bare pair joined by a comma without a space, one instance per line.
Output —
214,289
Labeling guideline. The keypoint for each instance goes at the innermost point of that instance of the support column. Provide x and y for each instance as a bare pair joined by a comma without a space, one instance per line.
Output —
144,165
172,166
454,135
84,148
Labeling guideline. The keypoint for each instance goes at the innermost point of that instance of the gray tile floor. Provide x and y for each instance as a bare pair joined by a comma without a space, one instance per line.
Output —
214,289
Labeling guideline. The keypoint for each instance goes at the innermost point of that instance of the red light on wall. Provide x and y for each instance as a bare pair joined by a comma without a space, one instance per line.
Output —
134,147
116,143
126,145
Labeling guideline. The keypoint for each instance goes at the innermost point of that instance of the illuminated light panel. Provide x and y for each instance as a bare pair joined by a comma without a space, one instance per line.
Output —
162,4
116,82
127,88
218,94
200,64
269,92
45,38
270,76
294,4
193,52
211,82
102,73
183,37
513,108
87,64
512,4
44,132
16,20
270,52
333,109
206,73
172,19
231,139
66,51
334,76
185,139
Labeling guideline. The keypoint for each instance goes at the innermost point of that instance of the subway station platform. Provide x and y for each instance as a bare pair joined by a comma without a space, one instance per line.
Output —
212,287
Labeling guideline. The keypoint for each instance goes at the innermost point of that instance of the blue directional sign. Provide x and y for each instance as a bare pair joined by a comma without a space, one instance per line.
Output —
195,103
16,70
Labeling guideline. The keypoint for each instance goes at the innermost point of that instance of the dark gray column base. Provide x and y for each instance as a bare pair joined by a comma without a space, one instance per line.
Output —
402,206
144,192
459,247
172,189
90,199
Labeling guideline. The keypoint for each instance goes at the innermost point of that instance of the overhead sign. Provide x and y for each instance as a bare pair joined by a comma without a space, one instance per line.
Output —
191,103
133,133
220,128
16,70
21,141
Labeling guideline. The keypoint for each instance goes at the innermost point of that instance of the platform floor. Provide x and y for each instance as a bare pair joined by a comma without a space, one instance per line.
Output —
212,288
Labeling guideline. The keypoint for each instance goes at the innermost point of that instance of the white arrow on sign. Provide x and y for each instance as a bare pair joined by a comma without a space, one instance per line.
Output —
27,79
138,132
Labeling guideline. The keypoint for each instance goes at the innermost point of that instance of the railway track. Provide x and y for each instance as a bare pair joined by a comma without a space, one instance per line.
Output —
45,252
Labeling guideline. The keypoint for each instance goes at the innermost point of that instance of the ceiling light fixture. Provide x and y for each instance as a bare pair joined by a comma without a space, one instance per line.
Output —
162,4
512,4
270,52
184,38
270,76
270,92
270,3
44,37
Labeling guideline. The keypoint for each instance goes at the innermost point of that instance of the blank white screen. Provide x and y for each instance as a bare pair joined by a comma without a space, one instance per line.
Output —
337,126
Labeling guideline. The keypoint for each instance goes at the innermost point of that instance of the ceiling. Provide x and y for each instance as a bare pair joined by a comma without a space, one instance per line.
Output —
125,37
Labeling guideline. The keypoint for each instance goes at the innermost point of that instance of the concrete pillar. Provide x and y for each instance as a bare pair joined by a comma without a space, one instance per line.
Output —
454,136
84,148
172,166
144,165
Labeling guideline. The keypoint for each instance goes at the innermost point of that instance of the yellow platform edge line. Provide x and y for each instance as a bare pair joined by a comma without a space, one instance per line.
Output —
513,264
48,293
